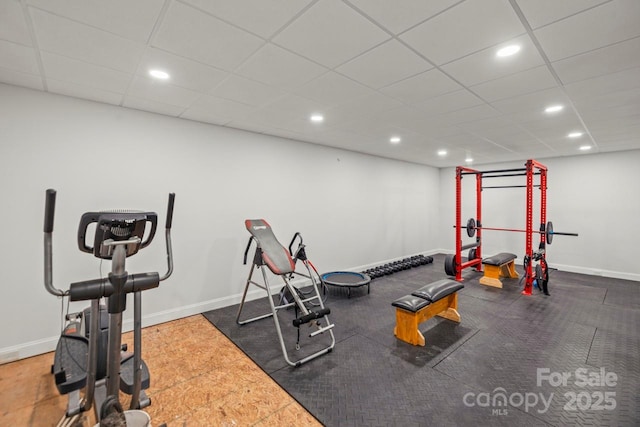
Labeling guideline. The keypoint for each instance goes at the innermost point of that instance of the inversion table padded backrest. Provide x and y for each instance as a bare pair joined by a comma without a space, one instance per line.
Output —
274,255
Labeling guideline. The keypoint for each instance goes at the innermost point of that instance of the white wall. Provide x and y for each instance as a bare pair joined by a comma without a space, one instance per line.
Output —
352,209
597,196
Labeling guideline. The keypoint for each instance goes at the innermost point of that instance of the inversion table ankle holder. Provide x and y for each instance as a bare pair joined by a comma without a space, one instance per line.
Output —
271,253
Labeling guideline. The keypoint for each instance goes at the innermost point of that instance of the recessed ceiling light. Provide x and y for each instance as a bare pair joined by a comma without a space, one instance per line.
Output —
553,108
317,118
395,140
442,152
468,159
585,147
575,134
159,74
508,50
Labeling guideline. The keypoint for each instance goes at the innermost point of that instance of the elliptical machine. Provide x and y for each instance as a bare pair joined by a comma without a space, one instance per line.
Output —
89,354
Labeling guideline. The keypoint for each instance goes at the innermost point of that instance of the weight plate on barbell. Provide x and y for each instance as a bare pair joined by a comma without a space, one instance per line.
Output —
549,232
471,227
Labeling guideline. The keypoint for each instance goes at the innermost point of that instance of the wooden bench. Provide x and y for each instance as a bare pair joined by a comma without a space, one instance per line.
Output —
497,266
439,298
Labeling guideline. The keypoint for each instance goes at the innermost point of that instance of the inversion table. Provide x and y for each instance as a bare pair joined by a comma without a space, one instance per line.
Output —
269,252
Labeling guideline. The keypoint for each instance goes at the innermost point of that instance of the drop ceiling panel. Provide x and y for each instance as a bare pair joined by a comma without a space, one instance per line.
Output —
543,12
187,32
532,80
466,28
627,97
478,112
533,103
18,58
614,82
152,106
448,102
160,91
398,19
184,72
261,17
359,107
484,65
384,65
69,38
297,106
84,92
246,91
213,109
419,88
330,33
13,26
600,26
332,89
599,62
74,71
130,19
17,78
275,66
368,66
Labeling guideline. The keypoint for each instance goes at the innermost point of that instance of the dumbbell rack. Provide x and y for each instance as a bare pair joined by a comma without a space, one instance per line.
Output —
532,168
394,267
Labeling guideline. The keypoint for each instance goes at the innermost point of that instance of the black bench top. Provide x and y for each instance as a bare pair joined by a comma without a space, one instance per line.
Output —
427,294
500,259
411,303
438,290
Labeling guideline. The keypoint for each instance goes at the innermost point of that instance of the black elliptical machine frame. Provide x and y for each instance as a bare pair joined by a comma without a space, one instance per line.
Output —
89,355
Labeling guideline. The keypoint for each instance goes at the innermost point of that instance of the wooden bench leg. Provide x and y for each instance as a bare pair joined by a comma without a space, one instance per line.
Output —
491,276
407,327
493,273
408,323
509,270
451,313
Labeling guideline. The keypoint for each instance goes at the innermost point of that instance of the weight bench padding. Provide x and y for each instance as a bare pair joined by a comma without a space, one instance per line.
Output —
274,255
500,259
437,290
497,266
439,298
411,303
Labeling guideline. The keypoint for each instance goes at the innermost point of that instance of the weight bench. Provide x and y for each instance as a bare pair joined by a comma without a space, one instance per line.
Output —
497,266
439,298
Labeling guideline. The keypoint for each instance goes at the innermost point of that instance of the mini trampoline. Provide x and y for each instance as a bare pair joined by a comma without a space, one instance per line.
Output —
346,280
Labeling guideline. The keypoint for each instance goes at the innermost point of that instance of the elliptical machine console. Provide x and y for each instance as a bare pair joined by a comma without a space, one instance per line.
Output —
89,355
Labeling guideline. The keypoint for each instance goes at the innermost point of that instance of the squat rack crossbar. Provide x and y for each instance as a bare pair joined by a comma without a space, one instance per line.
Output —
468,171
531,169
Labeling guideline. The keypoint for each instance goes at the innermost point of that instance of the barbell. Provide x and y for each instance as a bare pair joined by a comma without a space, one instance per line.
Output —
548,231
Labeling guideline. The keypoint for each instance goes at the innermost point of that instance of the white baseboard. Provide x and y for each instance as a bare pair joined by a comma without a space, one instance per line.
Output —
45,345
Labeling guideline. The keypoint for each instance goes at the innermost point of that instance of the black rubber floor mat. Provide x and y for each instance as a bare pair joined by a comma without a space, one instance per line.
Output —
497,367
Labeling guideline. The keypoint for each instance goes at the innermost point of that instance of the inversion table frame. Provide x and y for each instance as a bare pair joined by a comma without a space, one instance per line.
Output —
271,253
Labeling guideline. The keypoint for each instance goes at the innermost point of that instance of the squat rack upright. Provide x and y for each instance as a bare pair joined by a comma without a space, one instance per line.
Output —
531,169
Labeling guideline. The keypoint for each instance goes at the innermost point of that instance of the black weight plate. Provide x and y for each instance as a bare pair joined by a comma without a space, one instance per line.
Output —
471,227
549,232
450,265
472,254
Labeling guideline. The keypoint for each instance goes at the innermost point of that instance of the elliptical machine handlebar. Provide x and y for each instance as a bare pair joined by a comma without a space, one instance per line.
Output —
142,279
98,288
167,236
49,211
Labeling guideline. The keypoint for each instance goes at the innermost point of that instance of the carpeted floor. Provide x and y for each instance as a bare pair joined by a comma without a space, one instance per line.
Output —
568,359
